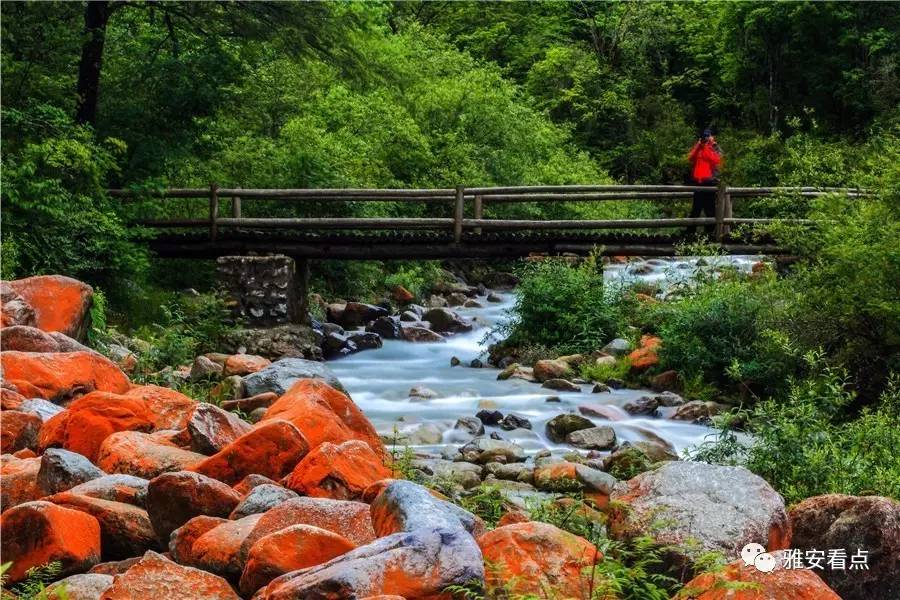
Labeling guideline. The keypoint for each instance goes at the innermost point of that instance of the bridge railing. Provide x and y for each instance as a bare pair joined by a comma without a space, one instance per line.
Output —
478,197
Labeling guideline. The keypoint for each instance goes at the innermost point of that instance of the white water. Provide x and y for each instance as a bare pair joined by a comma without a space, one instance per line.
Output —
380,380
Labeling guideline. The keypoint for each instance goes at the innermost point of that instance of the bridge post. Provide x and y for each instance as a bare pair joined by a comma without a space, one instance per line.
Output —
458,214
479,211
721,194
213,211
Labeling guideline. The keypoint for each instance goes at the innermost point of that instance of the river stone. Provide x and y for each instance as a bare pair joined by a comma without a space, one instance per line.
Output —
488,450
645,405
561,385
418,334
423,434
511,421
617,347
462,473
594,438
561,426
669,399
62,470
282,374
494,297
354,314
212,428
517,371
203,369
366,340
715,508
388,327
489,417
407,506
456,299
83,586
471,425
336,345
409,316
116,488
43,408
698,410
600,388
260,499
551,369
510,472
444,320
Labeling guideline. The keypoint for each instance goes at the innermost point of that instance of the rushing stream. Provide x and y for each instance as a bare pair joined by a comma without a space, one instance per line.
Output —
380,381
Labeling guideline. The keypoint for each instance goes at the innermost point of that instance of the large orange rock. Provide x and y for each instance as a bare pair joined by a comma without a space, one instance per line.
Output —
60,303
10,399
170,409
18,430
646,356
60,376
142,455
323,414
155,577
181,541
36,533
175,498
337,471
534,557
19,480
244,364
125,529
780,584
88,421
293,548
219,550
271,449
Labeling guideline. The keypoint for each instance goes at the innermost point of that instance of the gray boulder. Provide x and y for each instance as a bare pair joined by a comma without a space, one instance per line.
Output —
407,506
446,321
116,488
44,408
84,586
389,327
212,428
593,438
260,499
282,374
560,426
484,450
62,470
617,347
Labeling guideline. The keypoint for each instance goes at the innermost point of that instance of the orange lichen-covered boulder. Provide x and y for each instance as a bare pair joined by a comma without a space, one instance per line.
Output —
10,398
18,430
59,376
19,480
296,547
36,533
60,303
533,557
158,578
271,449
337,471
780,584
88,421
646,356
219,550
31,339
14,310
244,364
125,529
142,455
323,414
175,498
170,409
181,541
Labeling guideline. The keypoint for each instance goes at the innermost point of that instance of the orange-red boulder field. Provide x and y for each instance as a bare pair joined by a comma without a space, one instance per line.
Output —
141,492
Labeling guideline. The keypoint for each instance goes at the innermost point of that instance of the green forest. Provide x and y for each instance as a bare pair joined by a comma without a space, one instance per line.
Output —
151,95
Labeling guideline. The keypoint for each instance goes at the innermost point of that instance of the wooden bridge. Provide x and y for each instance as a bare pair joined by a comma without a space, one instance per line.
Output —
463,233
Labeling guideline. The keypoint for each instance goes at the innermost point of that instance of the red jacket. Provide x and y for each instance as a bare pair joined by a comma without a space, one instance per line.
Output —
705,161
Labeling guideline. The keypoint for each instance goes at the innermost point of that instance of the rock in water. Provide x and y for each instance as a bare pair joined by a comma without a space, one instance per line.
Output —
593,438
561,426
386,327
867,523
282,374
721,508
551,369
511,421
444,320
418,564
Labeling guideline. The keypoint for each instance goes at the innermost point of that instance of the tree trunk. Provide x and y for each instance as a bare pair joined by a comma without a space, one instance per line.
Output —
96,15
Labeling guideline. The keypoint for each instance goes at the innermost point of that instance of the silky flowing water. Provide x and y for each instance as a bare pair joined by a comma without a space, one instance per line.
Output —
380,380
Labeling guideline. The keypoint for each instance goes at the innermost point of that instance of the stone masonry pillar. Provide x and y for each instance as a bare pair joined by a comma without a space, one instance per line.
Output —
264,291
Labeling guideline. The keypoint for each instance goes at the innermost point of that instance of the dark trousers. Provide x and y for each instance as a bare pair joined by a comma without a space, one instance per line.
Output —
704,202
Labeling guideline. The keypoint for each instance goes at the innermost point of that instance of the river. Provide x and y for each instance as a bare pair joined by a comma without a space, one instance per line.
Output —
380,380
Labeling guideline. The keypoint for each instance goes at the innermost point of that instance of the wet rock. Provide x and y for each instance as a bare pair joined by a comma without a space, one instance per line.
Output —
291,549
57,303
593,438
421,334
510,472
473,304
35,533
561,385
212,428
617,347
324,414
423,434
551,369
117,488
387,327
600,388
58,377
855,523
139,454
19,430
489,417
282,374
645,405
409,316
175,498
476,363
615,383
125,529
456,298
446,321
602,411
698,410
260,499
354,314
485,450
471,425
511,421
536,557
419,564
517,371
494,297
88,421
454,361
720,508
181,541
337,471
366,340
83,586
157,577
666,381
423,393
272,448
560,426
568,477
795,584
62,470
669,399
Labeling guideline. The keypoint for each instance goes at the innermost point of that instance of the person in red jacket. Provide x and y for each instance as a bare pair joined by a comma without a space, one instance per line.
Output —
705,159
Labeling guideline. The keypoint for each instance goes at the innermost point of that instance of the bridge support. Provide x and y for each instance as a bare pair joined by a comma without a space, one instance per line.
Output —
265,291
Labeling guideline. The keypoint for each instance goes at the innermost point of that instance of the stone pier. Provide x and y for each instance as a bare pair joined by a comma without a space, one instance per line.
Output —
265,291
